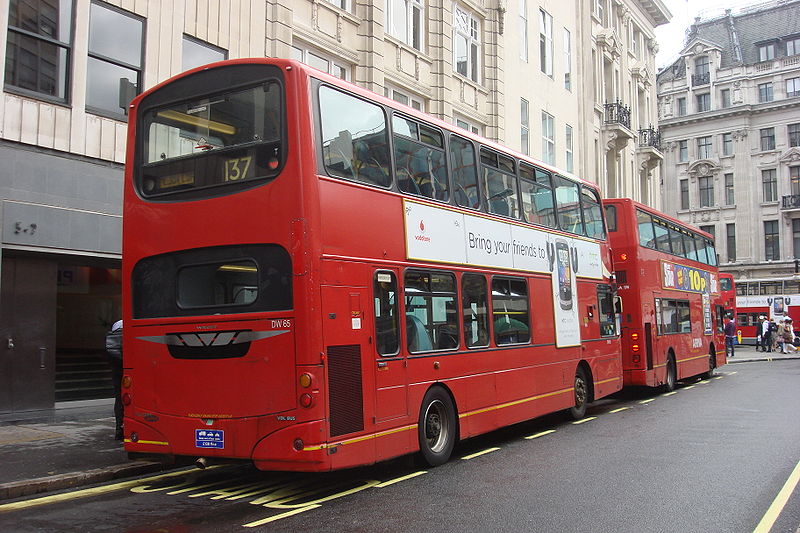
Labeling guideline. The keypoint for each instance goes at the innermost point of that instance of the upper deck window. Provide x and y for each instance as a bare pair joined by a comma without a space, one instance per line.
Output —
222,139
420,161
536,189
355,139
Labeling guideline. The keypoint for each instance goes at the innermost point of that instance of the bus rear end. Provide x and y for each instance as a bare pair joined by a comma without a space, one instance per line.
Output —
210,253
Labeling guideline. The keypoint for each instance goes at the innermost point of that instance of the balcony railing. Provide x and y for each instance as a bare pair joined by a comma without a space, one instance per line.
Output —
616,113
650,138
701,79
791,201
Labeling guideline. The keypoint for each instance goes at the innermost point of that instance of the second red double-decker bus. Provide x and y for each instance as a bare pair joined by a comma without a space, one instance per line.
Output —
320,278
668,283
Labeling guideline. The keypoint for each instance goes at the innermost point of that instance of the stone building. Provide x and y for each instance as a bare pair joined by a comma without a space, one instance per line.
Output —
729,112
571,83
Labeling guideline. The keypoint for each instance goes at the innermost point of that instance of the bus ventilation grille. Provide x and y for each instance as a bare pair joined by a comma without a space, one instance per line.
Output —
346,399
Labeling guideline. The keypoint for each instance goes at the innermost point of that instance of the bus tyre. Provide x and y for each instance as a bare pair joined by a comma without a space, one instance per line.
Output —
672,375
581,388
712,365
437,426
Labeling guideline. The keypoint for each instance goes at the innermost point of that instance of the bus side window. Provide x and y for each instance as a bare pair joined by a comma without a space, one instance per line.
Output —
605,305
536,192
420,161
592,213
474,305
355,139
387,335
465,172
510,315
568,204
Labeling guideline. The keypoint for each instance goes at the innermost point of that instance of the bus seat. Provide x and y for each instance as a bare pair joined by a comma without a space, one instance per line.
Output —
418,338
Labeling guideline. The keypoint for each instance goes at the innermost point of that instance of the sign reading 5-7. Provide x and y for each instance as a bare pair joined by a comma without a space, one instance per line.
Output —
688,279
237,168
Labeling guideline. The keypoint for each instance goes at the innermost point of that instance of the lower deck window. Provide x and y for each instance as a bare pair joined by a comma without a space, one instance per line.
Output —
510,311
673,316
431,312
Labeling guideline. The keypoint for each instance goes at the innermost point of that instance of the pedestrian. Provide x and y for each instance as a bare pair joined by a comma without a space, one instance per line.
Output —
114,351
759,326
769,328
730,336
788,337
764,333
779,335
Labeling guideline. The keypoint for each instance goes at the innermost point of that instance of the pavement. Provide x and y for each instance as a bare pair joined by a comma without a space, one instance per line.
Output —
73,444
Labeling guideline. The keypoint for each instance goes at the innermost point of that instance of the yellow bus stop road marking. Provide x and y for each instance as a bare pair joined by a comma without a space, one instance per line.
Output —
540,434
94,491
584,420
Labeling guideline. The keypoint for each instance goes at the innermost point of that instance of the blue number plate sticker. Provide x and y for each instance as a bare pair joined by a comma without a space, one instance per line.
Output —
209,438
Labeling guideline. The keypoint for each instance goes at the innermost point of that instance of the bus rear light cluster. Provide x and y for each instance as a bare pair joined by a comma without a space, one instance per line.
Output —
298,444
126,382
306,380
126,399
306,400
636,358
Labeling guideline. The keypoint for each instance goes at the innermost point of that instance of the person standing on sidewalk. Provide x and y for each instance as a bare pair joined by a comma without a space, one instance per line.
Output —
759,328
114,350
730,336
766,334
788,337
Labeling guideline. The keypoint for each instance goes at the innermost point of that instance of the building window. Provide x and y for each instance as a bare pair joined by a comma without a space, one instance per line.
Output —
794,134
197,53
523,30
683,151
115,59
703,102
725,98
766,52
601,11
404,98
404,20
568,142
39,46
727,144
711,230
467,44
765,93
730,238
465,124
730,198
767,139
769,182
706,190
321,61
796,237
546,42
704,147
792,87
341,4
681,104
794,181
635,36
684,194
525,127
772,251
567,60
793,48
548,139
702,73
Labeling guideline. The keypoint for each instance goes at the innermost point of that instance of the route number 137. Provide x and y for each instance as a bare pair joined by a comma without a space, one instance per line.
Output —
236,168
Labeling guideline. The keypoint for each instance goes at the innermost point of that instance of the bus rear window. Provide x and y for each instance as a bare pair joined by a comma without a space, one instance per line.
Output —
225,139
217,280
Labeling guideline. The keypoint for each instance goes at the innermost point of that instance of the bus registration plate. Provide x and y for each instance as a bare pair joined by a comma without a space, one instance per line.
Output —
209,438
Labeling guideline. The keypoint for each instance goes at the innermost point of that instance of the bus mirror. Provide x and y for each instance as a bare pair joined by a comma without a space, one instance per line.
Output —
618,305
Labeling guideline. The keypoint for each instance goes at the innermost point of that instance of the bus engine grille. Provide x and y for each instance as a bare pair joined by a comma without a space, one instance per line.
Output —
346,398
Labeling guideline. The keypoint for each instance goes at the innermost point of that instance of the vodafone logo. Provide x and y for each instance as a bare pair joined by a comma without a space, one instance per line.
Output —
420,236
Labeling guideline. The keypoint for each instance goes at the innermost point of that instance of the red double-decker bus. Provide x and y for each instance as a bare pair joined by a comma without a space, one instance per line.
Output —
727,293
668,284
773,298
319,277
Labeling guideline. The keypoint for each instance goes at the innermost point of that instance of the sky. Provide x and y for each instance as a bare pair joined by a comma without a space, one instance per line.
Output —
671,37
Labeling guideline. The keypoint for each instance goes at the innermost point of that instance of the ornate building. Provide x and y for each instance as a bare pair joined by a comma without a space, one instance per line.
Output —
730,119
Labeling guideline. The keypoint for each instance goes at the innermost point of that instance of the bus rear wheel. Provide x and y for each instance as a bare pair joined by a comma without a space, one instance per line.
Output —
437,427
581,388
672,375
712,364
